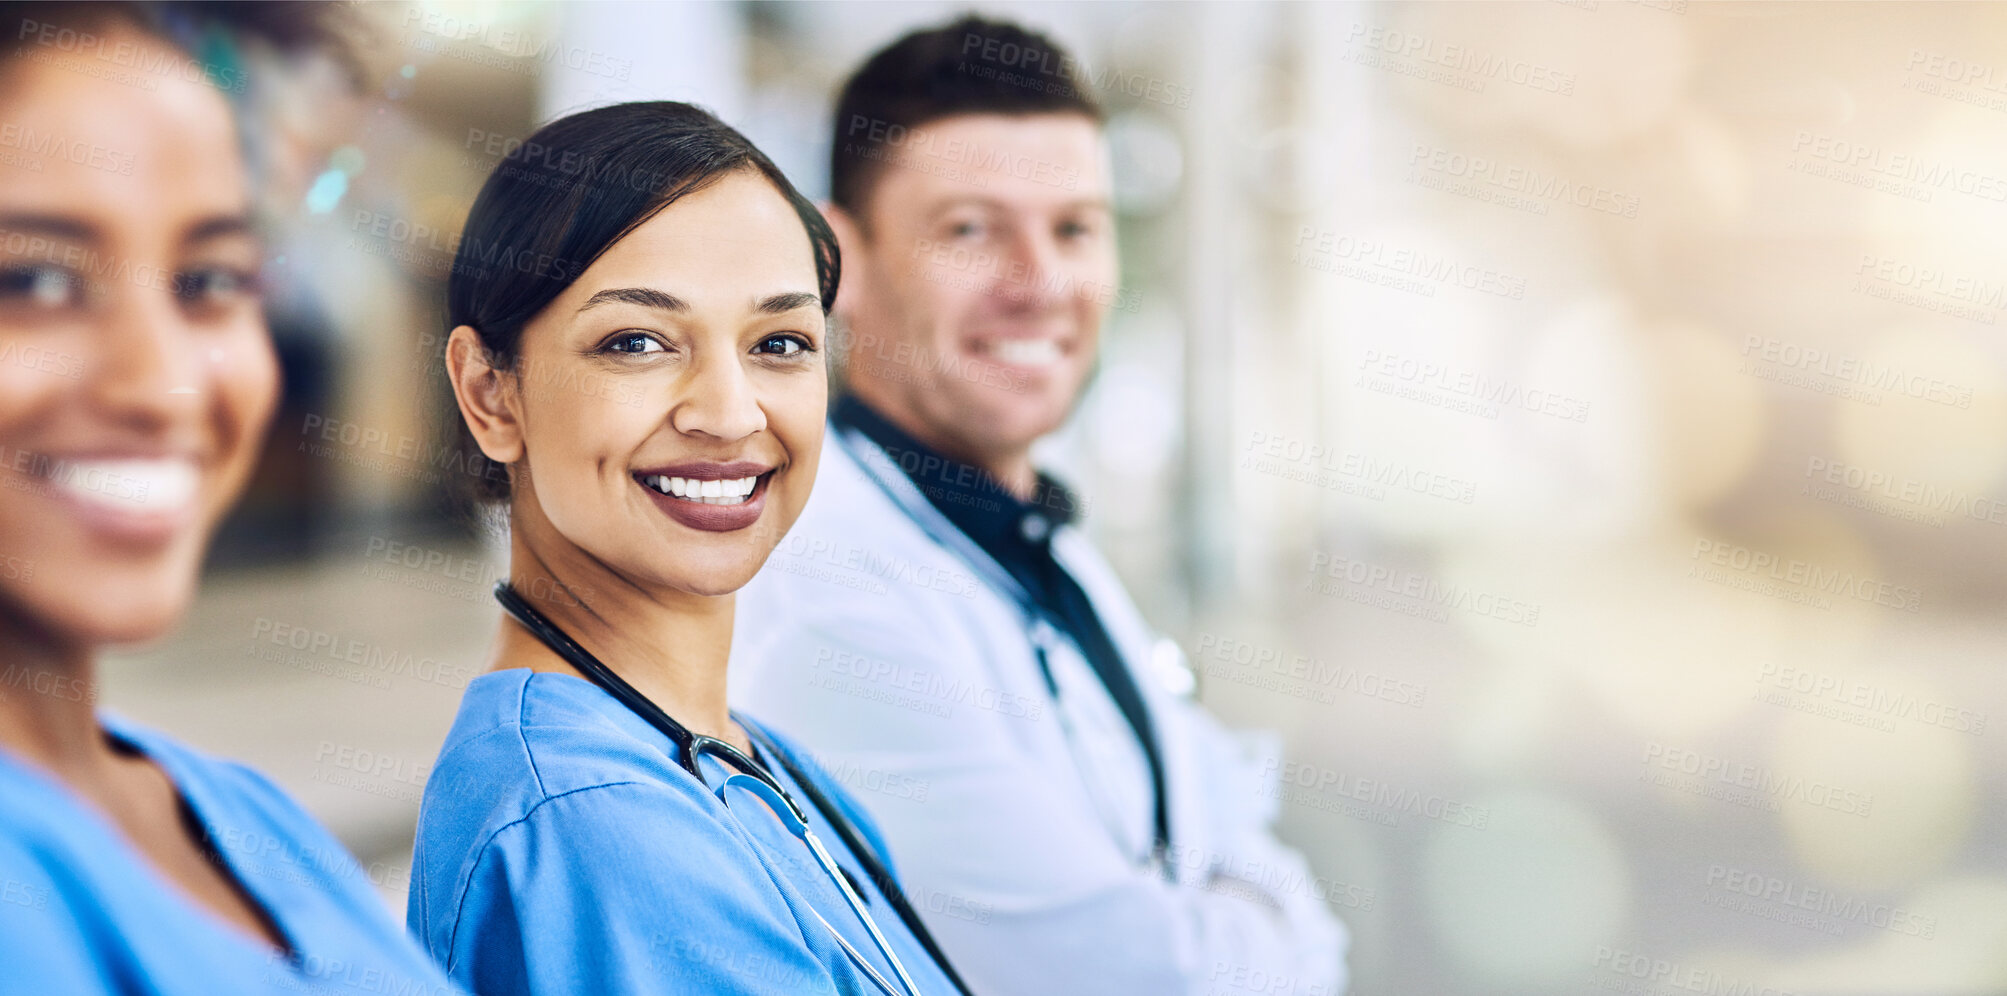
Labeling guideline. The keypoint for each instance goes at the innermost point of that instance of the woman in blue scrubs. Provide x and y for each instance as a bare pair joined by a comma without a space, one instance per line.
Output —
136,382
638,331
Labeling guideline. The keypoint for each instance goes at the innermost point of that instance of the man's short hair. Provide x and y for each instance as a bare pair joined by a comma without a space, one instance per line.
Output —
972,65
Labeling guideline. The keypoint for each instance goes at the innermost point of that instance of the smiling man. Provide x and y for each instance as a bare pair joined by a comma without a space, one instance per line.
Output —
936,622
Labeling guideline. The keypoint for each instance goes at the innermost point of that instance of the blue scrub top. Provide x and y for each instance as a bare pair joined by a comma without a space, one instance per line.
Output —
82,911
563,849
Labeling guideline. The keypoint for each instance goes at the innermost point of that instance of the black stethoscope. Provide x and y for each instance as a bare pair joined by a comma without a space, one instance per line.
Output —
748,773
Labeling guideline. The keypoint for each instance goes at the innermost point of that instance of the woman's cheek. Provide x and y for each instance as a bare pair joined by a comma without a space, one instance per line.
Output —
244,374
33,371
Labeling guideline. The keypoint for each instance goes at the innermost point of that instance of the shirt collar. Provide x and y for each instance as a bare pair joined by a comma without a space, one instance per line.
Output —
977,503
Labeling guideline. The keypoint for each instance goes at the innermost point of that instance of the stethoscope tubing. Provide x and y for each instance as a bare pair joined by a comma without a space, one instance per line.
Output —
762,781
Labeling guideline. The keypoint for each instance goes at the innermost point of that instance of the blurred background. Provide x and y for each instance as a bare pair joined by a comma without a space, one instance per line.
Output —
1577,428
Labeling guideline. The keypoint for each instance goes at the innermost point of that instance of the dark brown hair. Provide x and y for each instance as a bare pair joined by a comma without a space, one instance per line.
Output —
971,65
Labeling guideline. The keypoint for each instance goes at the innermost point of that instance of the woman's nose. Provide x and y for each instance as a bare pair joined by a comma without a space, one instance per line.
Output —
145,367
721,402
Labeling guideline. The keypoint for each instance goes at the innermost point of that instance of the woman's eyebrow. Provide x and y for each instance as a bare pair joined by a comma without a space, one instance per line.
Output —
55,226
783,303
220,226
646,297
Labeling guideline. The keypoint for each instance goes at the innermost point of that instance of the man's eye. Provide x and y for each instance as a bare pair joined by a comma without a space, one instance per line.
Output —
216,285
966,230
784,344
41,286
634,342
1075,230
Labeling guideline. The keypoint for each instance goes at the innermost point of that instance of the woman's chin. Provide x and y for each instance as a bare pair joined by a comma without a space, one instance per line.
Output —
108,622
714,586
712,579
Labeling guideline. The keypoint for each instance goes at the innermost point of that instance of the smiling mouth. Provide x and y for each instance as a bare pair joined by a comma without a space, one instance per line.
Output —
127,486
1026,352
726,491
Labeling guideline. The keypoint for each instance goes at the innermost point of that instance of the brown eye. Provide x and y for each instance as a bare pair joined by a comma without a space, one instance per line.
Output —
784,344
41,286
216,285
633,343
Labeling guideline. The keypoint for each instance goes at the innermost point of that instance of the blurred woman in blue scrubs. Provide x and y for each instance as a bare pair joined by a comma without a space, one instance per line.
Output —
136,381
638,310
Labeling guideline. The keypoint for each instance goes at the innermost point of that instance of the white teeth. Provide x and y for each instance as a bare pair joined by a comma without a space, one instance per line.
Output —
1026,352
155,486
712,492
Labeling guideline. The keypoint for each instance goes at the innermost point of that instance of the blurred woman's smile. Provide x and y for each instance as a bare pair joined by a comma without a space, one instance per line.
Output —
128,499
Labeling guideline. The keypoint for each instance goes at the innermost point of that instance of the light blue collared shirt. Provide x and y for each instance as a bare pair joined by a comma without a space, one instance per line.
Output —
83,912
562,849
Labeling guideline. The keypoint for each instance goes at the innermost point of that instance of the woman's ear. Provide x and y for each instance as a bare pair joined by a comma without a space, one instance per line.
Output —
486,397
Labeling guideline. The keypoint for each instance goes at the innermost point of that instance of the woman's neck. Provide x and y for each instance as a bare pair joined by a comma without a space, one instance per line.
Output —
48,698
672,646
